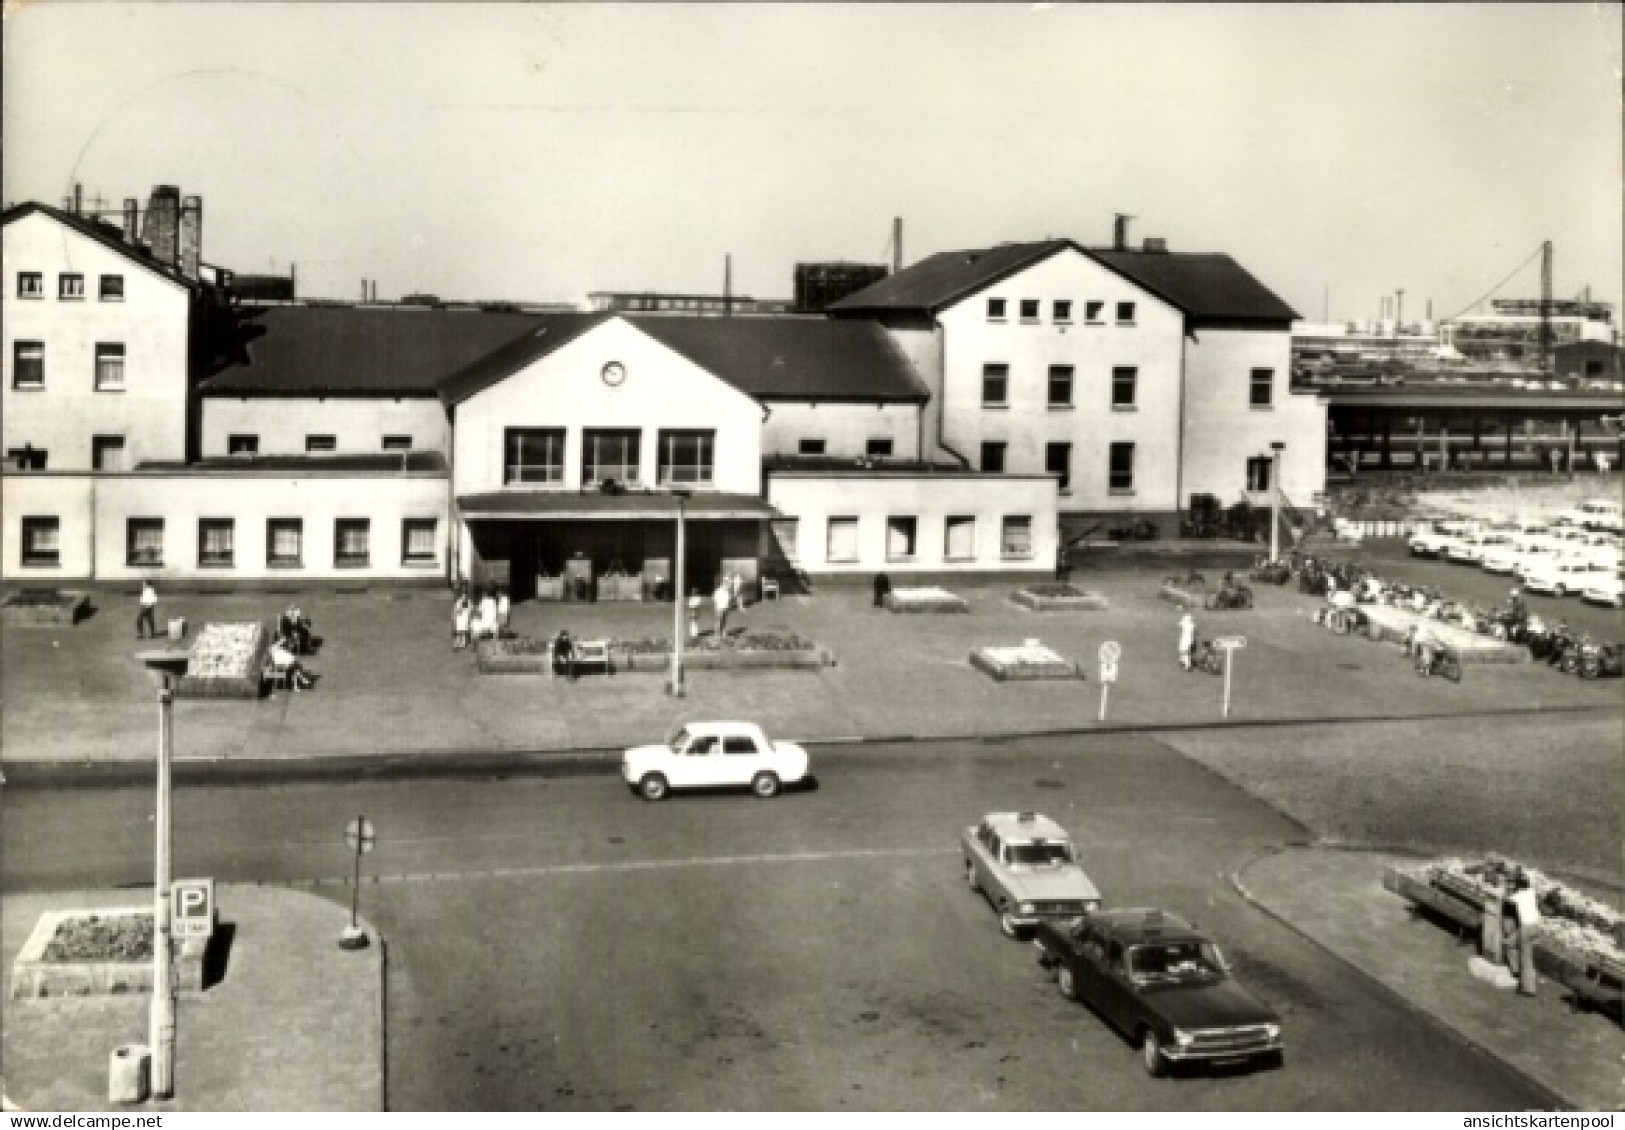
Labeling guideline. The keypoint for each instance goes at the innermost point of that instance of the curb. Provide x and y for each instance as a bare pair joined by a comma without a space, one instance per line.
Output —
1557,1100
587,760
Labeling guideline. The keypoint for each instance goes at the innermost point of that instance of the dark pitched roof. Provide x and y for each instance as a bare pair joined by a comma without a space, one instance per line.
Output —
107,235
767,358
794,358
1211,288
364,351
545,334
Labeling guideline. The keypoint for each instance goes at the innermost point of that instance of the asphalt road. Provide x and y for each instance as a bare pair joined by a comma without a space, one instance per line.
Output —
557,944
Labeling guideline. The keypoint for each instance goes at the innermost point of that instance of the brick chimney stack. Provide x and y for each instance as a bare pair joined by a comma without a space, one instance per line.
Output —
131,211
191,236
162,230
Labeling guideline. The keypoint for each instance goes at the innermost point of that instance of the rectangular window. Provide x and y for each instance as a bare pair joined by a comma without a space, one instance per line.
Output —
959,539
1261,388
70,286
1120,469
397,443
1016,538
995,309
533,455
107,453
418,541
1063,309
810,447
242,445
901,538
842,543
995,386
109,367
878,447
610,454
144,541
1092,311
1125,313
1124,378
42,541
316,445
1058,461
30,284
1258,473
28,364
685,456
352,542
1029,309
993,458
112,288
285,542
1060,386
216,542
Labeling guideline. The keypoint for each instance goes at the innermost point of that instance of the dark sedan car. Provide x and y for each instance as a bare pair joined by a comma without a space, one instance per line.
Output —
1163,984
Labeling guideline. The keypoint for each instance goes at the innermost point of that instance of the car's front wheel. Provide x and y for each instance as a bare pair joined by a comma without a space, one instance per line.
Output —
1068,983
653,786
765,785
1156,1065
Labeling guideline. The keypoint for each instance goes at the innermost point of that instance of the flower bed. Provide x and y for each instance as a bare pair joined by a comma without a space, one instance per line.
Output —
653,653
82,953
228,661
43,606
1058,598
1184,594
924,600
1030,661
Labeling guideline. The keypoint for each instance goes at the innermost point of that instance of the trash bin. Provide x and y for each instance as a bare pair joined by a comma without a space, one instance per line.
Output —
177,628
129,1071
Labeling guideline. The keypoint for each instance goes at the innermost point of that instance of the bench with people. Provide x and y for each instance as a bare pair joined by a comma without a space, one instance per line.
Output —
571,656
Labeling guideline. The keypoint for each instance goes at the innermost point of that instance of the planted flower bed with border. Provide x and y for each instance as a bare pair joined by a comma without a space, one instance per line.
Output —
1186,596
44,606
524,655
924,600
92,953
228,661
1058,598
1030,661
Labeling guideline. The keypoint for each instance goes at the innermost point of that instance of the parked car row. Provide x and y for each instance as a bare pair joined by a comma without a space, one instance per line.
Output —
1564,558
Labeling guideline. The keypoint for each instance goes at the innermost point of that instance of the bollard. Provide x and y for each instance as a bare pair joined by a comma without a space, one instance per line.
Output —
1490,935
1528,975
129,1071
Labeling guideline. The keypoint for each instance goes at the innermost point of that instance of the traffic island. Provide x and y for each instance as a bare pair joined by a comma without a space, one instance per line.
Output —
1185,592
924,600
746,650
227,661
1058,598
1386,624
61,607
1031,661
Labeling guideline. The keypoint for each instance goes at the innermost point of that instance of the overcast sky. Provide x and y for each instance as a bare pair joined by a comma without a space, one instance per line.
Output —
541,152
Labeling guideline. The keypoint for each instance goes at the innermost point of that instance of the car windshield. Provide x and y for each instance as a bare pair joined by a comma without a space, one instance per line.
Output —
1175,961
1041,855
677,739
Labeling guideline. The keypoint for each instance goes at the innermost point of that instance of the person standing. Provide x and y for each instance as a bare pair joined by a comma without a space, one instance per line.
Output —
488,622
736,592
504,611
722,600
1187,639
462,620
695,603
146,620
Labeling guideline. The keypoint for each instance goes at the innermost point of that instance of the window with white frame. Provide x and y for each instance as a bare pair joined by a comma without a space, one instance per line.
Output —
216,542
609,453
1258,473
533,455
1016,537
809,447
28,364
107,453
70,286
111,288
995,386
42,540
242,445
320,444
686,456
1092,311
901,537
993,457
1029,309
418,541
1124,380
397,443
1060,386
30,284
959,538
995,309
841,543
1125,313
285,542
1120,468
352,542
1058,461
144,541
109,366
1063,310
878,447
1261,388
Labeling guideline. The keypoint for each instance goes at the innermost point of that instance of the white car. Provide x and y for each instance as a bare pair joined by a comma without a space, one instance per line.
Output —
1564,575
1607,589
1436,540
707,755
1594,514
1473,549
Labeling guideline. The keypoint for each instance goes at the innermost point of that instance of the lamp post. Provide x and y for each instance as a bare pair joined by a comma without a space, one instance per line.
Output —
679,601
1275,499
165,668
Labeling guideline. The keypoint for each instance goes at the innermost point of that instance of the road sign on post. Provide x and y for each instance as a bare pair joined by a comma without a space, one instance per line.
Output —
1229,645
192,907
1110,653
360,837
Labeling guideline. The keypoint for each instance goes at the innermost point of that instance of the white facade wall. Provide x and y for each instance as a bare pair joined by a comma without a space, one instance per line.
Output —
68,497
358,424
845,429
1223,430
813,498
151,322
564,389
1152,344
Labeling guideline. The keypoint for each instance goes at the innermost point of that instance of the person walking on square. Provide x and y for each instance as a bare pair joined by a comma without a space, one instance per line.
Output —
462,621
722,600
504,610
695,603
736,592
1187,639
146,620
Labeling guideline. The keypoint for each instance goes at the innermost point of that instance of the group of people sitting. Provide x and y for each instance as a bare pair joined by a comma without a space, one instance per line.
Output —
293,639
482,615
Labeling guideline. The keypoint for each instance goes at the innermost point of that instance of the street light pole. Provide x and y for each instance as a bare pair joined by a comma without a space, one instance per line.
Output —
1275,499
679,603
166,668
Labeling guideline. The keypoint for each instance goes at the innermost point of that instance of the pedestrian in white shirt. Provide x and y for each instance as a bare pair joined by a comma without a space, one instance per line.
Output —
146,620
722,601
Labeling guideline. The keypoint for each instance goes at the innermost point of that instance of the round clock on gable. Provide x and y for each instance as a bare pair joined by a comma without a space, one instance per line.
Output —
613,373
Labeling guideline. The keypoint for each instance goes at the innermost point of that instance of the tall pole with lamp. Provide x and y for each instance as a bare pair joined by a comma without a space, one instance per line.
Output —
166,669
679,601
1275,499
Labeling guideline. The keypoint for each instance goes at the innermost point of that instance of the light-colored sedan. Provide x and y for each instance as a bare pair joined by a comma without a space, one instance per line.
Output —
709,755
1607,589
1473,549
1564,575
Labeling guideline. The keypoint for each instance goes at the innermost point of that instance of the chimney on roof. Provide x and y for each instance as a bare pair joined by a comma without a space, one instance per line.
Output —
1120,231
162,230
1156,245
78,199
132,208
191,237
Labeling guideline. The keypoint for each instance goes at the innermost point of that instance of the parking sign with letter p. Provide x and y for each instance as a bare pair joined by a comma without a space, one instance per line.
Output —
191,907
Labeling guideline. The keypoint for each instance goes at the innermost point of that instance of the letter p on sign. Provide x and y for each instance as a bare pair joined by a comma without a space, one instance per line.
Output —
192,907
